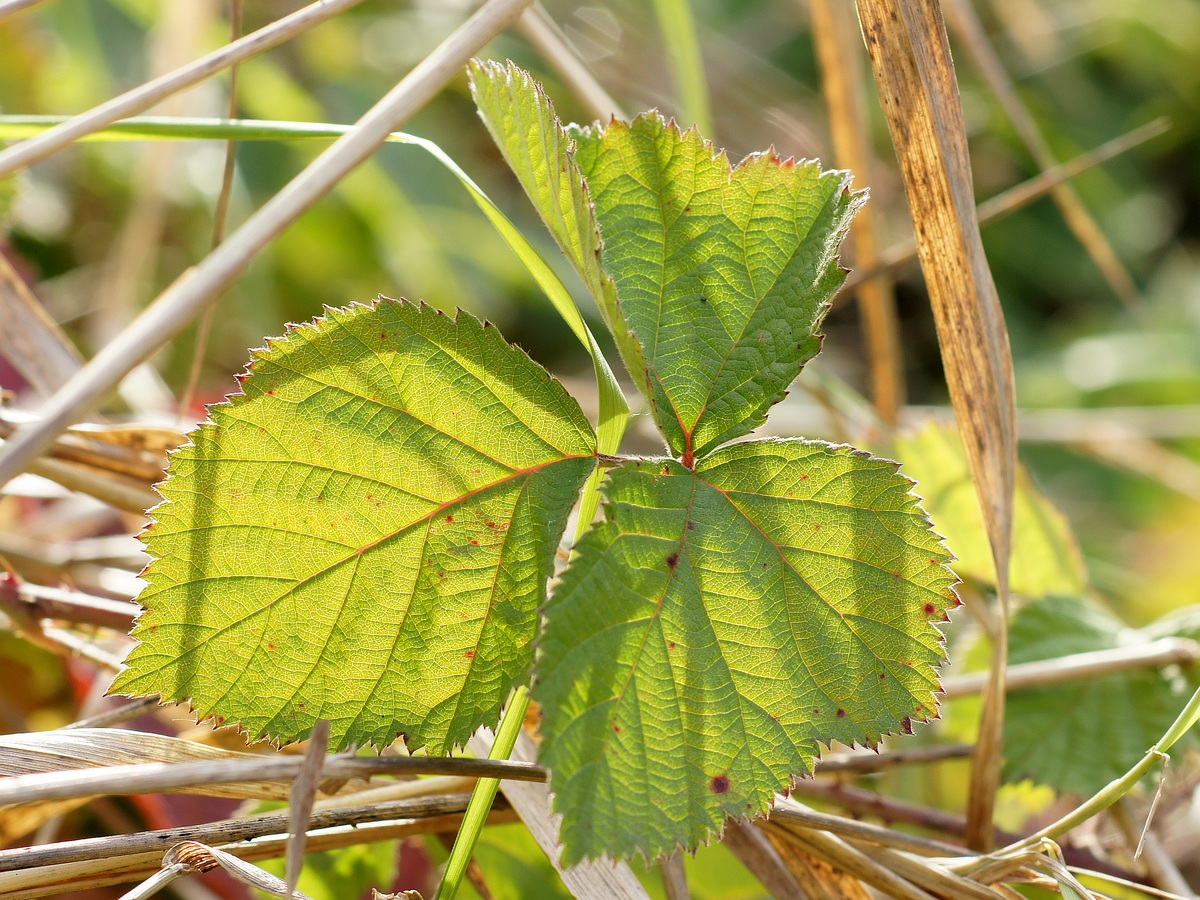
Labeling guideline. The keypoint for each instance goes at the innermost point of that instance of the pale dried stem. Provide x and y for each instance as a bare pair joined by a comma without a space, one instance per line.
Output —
674,877
31,340
47,881
867,762
970,32
34,149
301,799
933,877
788,813
840,53
1079,666
1015,198
754,849
226,831
191,293
150,778
543,33
124,713
35,602
853,861
220,218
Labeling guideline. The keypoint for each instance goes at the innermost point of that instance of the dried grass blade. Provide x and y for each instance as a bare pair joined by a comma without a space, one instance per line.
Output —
301,799
911,59
31,340
674,877
852,862
839,52
756,852
969,31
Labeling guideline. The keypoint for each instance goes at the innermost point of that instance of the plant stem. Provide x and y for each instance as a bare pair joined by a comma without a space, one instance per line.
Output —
481,800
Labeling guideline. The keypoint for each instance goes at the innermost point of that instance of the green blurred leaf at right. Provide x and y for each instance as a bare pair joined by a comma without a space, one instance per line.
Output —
1045,559
1078,736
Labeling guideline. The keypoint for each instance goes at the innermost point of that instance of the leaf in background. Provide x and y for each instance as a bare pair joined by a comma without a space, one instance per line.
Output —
1046,557
723,275
719,625
1078,736
364,535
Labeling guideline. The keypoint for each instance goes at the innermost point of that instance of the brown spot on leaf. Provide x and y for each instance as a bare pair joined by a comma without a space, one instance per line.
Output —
930,609
720,784
449,518
673,560
470,654
841,713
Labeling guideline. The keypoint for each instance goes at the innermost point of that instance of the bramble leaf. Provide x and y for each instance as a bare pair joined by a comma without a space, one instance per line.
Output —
1078,736
1046,558
720,624
364,535
723,274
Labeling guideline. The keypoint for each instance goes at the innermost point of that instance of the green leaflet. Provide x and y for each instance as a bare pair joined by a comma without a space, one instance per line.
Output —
723,275
719,625
364,535
1046,558
1078,736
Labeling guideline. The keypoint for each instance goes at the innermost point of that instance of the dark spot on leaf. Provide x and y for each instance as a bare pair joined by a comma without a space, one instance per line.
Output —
816,712
449,518
720,784
816,528
691,526
490,524
271,393
270,645
930,609
383,335
803,477
670,645
882,675
617,728
441,574
673,560
666,470
906,725
703,299
474,543
470,654
841,713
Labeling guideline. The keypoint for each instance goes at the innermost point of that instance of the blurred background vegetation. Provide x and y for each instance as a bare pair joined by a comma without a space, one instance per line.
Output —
101,229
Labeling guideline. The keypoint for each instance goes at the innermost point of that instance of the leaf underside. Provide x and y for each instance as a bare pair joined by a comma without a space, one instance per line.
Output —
364,534
723,274
720,625
1078,736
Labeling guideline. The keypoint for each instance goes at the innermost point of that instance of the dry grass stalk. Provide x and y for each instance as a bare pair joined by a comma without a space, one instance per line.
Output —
31,340
968,29
839,52
911,59
758,854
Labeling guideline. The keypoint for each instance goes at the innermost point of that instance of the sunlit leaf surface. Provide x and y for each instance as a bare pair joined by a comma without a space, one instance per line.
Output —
365,534
723,274
720,625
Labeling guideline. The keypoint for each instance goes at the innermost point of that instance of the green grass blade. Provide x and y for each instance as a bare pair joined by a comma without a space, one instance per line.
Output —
614,409
678,27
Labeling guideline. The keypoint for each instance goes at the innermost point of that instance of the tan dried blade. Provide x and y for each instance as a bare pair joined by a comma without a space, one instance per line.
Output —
911,59
30,339
843,81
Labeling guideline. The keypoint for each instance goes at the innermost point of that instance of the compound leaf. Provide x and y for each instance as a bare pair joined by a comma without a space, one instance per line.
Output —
1078,736
364,535
720,624
723,274
1045,559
